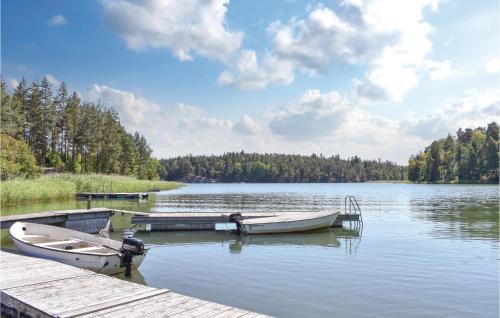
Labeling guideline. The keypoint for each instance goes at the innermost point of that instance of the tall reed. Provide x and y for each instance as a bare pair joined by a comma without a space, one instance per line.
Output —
65,186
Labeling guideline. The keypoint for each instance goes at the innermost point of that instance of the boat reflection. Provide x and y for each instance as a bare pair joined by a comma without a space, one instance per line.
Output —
135,278
333,237
324,237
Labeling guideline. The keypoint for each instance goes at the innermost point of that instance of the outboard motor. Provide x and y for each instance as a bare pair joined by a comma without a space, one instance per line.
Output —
131,247
236,218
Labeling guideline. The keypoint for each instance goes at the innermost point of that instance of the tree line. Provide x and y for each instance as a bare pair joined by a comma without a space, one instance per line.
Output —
470,156
253,167
67,134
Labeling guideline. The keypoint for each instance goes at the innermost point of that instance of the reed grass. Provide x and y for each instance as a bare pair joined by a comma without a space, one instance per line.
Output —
65,186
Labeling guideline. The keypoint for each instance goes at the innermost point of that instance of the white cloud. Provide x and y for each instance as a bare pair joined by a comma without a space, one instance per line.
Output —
314,122
388,37
170,130
133,110
55,82
493,66
329,123
313,115
183,27
439,70
57,20
246,126
246,72
476,109
11,84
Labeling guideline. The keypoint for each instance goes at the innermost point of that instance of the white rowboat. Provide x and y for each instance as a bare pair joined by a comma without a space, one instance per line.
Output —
75,248
288,223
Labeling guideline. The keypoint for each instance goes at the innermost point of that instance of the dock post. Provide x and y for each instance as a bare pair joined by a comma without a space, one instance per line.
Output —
89,200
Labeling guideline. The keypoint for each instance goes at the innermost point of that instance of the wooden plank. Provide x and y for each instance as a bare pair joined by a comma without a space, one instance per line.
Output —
206,310
141,307
112,303
232,313
50,213
112,195
179,309
37,274
43,288
77,293
88,221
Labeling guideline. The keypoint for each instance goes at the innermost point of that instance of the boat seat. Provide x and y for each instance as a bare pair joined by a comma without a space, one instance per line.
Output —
34,236
53,243
93,249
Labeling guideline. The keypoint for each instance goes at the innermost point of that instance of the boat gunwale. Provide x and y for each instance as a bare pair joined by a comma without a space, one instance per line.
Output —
284,221
146,248
64,251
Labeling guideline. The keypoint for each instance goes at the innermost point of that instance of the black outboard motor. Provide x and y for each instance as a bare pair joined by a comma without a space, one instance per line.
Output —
236,218
131,247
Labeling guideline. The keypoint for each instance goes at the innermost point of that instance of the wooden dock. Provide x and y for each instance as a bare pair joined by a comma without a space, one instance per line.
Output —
120,195
33,287
205,221
83,220
93,220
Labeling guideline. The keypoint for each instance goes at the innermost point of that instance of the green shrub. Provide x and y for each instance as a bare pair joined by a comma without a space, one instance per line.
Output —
16,160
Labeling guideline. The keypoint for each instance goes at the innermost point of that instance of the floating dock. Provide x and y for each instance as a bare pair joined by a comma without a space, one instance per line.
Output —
93,220
83,220
120,195
206,221
34,287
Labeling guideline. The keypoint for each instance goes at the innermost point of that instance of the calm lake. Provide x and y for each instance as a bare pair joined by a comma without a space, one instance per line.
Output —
424,250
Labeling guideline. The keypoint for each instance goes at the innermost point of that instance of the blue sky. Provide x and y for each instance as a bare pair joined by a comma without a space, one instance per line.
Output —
376,78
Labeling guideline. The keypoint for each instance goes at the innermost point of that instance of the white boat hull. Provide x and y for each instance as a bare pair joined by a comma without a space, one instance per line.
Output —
286,225
111,263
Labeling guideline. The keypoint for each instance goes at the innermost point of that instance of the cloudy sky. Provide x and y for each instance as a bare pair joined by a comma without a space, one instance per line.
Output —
376,78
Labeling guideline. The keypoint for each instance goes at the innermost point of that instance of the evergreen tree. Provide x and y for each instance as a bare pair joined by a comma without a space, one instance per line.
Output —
35,114
60,103
48,118
10,115
470,157
64,133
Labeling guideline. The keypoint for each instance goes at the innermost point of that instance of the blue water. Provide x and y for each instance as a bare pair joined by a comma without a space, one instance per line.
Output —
424,251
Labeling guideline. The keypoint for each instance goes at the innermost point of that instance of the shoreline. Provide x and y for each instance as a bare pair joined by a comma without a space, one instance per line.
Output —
62,187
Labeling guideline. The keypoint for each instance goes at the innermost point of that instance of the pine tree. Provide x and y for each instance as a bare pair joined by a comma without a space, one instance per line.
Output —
60,103
11,118
20,98
48,118
72,120
37,139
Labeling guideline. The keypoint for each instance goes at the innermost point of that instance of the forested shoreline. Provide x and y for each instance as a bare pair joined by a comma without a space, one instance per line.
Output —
67,135
469,157
253,167
46,129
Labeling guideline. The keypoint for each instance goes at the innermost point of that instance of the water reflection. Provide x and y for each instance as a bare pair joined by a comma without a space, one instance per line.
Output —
457,211
460,217
133,205
350,238
247,202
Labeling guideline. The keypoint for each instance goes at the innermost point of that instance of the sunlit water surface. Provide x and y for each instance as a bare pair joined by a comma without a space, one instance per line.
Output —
424,250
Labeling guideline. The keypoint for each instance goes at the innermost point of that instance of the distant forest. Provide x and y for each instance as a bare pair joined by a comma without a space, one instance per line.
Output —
470,156
54,129
65,134
253,167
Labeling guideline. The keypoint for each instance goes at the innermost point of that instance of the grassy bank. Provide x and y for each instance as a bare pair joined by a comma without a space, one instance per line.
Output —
65,186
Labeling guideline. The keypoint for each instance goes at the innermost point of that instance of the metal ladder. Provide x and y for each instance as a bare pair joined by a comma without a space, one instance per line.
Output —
351,207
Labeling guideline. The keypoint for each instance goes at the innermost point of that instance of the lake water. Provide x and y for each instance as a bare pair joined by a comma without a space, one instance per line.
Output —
424,250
